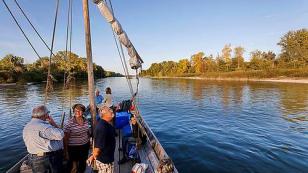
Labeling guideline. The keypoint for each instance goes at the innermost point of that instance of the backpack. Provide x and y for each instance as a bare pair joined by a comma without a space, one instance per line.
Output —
125,105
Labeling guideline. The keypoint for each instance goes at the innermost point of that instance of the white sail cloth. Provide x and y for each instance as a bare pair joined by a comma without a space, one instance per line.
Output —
135,60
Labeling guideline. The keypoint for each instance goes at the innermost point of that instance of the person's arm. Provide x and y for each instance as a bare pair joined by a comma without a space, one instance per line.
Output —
52,133
95,154
52,122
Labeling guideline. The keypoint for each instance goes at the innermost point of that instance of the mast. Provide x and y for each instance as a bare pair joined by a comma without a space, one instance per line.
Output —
85,9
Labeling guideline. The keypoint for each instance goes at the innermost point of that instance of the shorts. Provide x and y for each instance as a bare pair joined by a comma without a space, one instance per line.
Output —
104,167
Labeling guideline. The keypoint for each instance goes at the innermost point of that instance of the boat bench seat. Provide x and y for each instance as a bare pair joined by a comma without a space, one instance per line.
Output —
148,157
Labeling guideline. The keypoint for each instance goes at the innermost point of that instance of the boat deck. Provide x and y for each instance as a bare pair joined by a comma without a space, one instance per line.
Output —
149,153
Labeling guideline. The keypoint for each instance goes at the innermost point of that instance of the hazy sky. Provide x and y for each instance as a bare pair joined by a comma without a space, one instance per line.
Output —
160,29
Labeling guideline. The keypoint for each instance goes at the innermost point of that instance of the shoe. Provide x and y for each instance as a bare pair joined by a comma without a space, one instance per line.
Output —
123,160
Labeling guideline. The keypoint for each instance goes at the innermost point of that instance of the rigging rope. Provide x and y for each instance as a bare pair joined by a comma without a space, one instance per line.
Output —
124,65
24,34
67,56
49,77
66,40
122,57
32,25
69,61
126,74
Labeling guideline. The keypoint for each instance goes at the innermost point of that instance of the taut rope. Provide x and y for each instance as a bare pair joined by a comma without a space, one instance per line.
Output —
49,77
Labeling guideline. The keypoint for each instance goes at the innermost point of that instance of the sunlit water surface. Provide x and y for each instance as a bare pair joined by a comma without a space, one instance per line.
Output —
205,126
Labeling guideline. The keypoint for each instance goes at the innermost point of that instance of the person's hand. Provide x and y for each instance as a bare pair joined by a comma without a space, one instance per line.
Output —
51,121
90,160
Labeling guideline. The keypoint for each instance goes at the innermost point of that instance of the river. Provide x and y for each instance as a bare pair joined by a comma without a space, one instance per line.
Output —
205,126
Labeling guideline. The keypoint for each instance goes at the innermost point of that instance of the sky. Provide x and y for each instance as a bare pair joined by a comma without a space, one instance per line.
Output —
160,30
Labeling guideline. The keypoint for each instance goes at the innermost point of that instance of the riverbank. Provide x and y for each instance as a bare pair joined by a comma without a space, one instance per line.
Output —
282,79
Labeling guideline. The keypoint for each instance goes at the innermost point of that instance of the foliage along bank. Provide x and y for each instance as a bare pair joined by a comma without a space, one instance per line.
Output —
291,62
13,69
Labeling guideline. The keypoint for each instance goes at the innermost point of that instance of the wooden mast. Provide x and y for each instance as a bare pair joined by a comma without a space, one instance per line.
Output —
85,9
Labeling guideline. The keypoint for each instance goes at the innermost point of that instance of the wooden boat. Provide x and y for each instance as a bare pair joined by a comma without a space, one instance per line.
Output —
151,151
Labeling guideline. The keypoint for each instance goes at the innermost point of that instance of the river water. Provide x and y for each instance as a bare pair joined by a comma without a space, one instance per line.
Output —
205,126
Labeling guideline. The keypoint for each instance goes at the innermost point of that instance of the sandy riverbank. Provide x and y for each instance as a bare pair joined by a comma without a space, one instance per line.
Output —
283,80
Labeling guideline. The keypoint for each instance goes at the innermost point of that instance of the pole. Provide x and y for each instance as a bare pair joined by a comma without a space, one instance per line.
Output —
85,10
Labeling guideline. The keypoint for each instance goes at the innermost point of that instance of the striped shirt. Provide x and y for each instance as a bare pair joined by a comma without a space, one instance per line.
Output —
78,134
41,137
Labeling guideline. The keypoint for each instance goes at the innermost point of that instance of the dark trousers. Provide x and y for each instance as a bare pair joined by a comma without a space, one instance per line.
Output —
52,163
77,158
125,141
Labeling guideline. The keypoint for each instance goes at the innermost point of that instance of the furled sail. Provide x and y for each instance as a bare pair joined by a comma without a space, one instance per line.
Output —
135,60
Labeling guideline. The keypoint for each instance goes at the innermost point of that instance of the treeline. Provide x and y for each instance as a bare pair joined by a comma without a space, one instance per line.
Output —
13,69
291,62
113,74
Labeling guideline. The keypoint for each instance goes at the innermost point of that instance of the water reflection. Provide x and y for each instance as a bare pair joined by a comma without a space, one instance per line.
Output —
13,93
294,103
219,126
289,97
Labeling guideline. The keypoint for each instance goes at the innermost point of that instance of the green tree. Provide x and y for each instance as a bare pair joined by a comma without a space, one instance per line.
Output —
262,60
12,63
238,56
183,66
226,55
256,60
221,65
41,64
270,58
154,69
168,68
210,64
294,47
197,62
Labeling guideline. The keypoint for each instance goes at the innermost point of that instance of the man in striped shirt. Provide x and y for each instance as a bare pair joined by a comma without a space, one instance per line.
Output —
43,139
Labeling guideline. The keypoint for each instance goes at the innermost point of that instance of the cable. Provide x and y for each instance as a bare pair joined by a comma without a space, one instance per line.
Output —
122,57
71,34
21,29
49,80
32,25
66,43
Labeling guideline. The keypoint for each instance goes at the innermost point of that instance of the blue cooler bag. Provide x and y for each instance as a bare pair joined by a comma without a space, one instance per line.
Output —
122,119
127,131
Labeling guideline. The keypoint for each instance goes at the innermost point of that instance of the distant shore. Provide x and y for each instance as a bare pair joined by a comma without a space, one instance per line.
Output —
282,79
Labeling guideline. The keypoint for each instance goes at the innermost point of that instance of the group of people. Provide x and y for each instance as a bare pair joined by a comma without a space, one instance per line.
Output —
48,144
